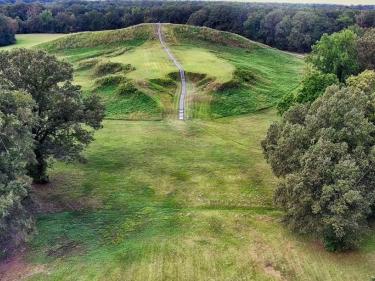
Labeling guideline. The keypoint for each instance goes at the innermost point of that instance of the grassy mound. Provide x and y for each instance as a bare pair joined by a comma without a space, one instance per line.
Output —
227,74
141,32
188,33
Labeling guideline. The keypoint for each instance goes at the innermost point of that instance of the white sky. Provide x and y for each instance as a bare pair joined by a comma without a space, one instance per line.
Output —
342,2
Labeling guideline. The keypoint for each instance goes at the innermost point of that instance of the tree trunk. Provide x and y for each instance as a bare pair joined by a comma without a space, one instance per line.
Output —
38,170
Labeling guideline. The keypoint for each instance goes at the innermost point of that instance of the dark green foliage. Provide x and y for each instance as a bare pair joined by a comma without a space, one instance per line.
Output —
306,28
324,155
312,86
16,151
245,75
88,63
63,116
126,89
366,19
336,53
366,50
286,102
8,28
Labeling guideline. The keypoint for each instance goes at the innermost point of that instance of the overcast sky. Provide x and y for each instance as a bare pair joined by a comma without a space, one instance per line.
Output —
342,2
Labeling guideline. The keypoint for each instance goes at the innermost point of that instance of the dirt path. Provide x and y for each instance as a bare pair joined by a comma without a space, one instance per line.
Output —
181,107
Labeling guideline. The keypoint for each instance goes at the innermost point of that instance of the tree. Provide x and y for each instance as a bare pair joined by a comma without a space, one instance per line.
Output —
253,24
225,17
312,86
16,150
366,19
133,16
336,53
324,155
366,50
269,23
198,18
346,19
8,28
64,22
306,28
282,32
65,119
47,21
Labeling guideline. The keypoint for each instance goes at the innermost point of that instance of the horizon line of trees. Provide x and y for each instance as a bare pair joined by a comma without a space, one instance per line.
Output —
287,27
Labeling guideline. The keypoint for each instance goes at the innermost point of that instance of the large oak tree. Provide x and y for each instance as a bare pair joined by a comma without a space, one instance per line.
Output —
64,118
324,154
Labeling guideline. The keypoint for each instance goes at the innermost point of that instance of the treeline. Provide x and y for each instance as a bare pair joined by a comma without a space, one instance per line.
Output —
288,27
8,28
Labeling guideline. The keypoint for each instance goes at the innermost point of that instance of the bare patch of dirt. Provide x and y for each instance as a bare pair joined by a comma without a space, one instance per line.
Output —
17,269
48,199
272,271
65,248
263,256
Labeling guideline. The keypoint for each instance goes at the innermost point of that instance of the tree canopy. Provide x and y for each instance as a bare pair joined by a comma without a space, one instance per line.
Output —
366,50
336,53
16,151
324,155
312,86
64,118
8,28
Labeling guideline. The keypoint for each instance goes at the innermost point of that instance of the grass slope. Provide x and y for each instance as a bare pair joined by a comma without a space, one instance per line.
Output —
212,59
176,201
31,40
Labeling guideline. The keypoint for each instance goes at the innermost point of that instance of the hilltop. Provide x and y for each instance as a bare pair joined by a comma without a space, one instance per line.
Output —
227,73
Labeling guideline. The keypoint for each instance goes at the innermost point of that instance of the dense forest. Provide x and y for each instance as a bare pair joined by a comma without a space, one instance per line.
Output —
288,27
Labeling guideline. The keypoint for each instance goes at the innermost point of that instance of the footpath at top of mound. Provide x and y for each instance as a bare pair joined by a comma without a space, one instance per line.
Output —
147,32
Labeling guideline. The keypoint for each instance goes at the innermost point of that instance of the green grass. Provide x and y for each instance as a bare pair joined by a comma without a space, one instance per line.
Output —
212,54
220,55
169,200
200,60
30,40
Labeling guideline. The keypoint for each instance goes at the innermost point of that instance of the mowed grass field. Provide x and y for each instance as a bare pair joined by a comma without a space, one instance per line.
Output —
172,200
30,40
177,201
